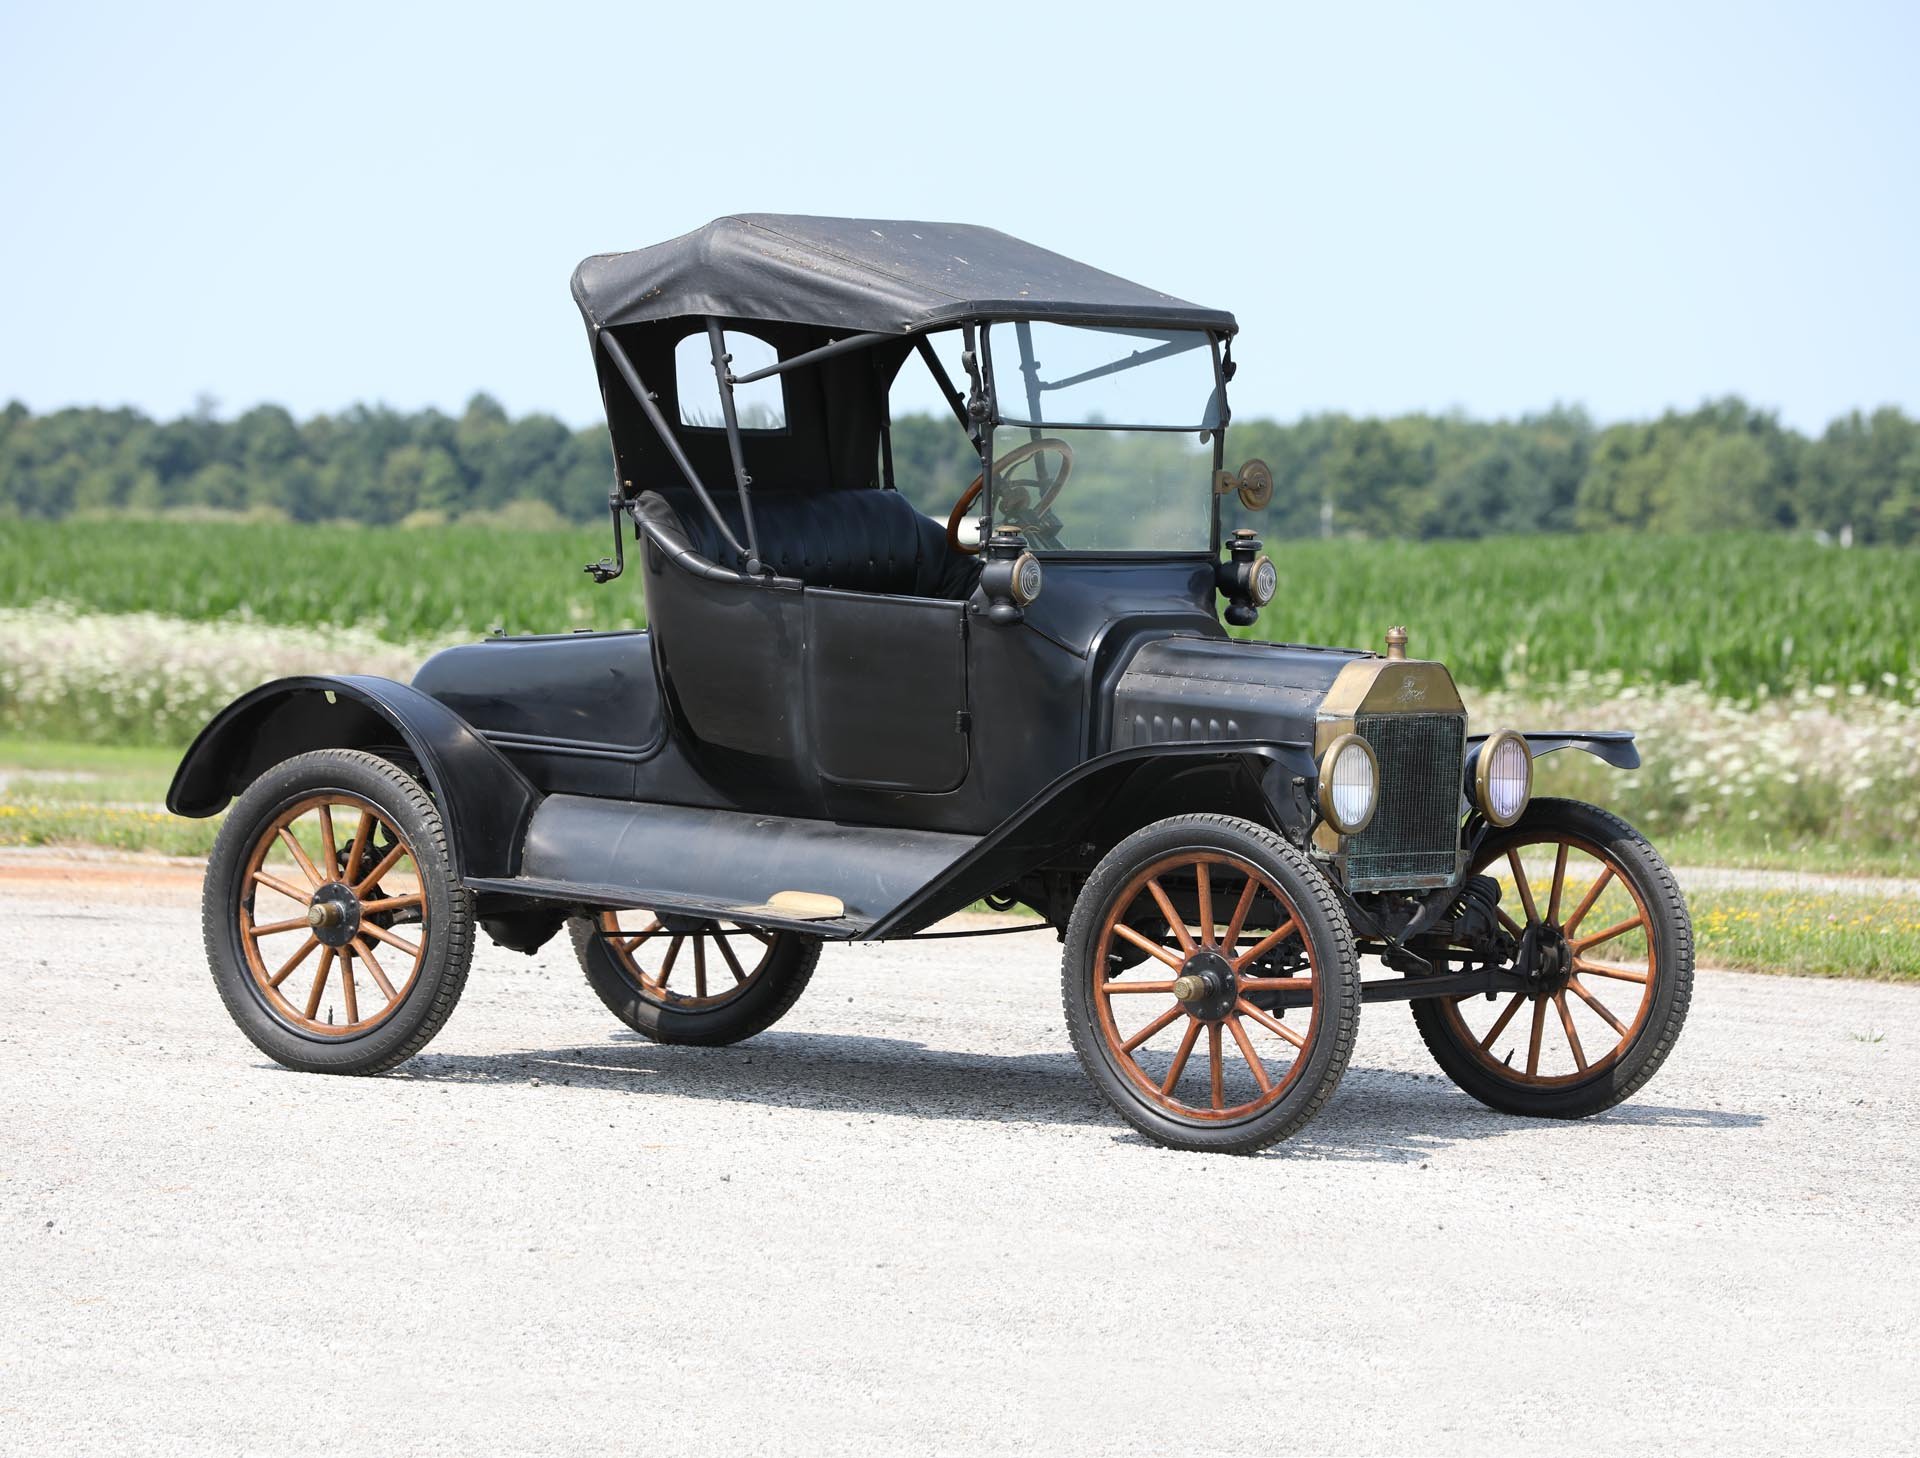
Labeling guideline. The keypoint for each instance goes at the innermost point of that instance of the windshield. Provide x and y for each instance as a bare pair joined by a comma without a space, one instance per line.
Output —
1106,437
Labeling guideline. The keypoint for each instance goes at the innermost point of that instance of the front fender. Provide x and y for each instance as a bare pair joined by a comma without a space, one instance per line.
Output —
484,800
1614,746
1107,798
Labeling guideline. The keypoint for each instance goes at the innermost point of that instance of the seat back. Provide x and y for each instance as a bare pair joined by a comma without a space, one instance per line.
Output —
858,541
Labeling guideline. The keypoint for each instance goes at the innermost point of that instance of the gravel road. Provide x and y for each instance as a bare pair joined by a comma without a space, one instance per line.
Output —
901,1223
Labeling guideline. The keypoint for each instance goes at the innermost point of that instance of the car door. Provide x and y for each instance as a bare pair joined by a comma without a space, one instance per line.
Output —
887,690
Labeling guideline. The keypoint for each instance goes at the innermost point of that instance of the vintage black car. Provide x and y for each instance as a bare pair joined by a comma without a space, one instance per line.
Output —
851,718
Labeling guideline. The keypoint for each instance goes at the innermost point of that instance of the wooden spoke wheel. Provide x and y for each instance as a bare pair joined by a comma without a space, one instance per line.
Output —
1210,984
687,980
337,935
329,879
1602,937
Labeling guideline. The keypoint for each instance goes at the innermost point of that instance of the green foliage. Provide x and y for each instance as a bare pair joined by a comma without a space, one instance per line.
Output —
1741,614
405,584
1725,465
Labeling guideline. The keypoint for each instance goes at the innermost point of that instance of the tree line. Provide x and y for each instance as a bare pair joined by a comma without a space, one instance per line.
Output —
1724,465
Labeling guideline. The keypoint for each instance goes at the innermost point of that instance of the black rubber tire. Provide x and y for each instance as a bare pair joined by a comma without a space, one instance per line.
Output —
1326,931
430,1000
760,1005
1672,941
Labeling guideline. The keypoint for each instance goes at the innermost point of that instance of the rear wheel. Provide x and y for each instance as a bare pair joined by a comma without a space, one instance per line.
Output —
687,980
1210,984
1606,943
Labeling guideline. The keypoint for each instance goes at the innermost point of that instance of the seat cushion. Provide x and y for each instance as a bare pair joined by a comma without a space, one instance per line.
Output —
859,541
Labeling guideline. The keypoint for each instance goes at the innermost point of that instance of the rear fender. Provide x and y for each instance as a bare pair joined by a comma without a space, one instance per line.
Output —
1095,805
484,800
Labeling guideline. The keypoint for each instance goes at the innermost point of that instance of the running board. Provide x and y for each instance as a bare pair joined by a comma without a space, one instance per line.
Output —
771,871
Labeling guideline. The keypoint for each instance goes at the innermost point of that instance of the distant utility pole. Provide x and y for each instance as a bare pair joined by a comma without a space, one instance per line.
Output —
1326,516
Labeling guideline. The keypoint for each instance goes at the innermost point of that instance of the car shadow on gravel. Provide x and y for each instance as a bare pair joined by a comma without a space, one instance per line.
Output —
1378,1116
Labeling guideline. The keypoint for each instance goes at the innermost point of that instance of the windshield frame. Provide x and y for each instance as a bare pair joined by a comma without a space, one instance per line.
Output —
1218,347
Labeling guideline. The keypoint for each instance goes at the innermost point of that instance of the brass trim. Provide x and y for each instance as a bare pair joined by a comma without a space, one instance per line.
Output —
1381,686
1334,750
1483,761
1397,645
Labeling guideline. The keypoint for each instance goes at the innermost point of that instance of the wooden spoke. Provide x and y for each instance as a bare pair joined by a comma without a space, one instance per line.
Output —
1174,920
673,955
1277,984
699,966
1509,923
1559,884
1609,934
1539,1026
1204,884
387,862
1618,974
1580,991
392,903
1266,944
1157,1025
380,933
1269,1022
1253,1058
362,833
1586,902
305,951
365,954
319,983
1147,945
328,849
733,962
1506,1016
300,856
1240,910
1217,1075
274,883
1110,987
271,927
1566,1024
347,990
1180,1057
1524,886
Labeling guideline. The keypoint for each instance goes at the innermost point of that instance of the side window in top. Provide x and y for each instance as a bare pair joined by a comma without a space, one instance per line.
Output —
761,405
933,460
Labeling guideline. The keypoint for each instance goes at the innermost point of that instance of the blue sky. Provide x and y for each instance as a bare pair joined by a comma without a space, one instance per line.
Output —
1482,207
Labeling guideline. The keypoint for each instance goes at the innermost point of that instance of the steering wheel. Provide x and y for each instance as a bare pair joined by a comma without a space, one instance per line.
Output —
1000,467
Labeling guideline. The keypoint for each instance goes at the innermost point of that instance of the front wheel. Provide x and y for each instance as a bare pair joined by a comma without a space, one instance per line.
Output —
1211,986
337,934
1607,947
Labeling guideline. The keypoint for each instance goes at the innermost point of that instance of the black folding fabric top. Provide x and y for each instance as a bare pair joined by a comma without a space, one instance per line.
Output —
863,275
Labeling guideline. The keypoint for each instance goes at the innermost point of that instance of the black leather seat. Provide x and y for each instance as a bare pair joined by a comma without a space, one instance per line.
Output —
859,541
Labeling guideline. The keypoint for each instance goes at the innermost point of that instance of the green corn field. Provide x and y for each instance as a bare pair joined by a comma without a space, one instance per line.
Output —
1741,615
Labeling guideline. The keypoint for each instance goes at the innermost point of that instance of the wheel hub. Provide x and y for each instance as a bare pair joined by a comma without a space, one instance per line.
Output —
1546,959
1207,986
334,914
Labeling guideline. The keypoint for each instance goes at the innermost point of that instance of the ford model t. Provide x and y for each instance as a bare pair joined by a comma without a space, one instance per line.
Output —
850,718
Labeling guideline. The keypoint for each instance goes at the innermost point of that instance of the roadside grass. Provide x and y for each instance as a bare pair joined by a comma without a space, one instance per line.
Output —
1840,934
58,794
